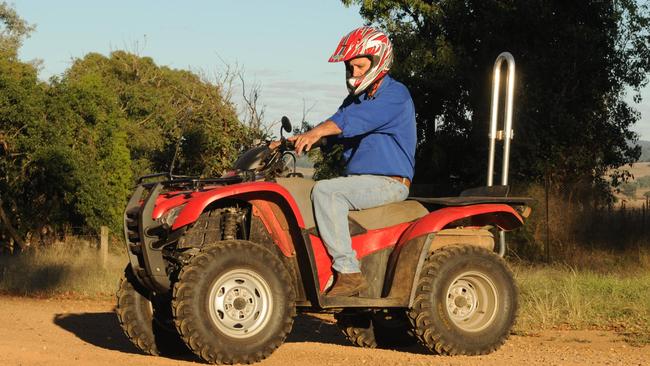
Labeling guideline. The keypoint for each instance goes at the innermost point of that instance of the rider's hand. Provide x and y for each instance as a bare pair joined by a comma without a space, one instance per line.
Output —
304,140
274,144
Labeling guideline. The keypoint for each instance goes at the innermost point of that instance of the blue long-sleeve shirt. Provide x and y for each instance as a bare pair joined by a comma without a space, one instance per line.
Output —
379,133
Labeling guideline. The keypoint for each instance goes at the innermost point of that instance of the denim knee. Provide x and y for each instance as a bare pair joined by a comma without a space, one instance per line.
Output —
321,190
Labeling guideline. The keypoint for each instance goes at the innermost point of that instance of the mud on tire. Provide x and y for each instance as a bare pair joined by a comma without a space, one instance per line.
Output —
234,302
381,330
146,319
465,301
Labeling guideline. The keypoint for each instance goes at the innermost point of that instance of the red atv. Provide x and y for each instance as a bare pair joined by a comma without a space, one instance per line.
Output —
222,265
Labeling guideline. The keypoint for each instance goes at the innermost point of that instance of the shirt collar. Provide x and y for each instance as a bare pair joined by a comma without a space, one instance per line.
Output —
386,80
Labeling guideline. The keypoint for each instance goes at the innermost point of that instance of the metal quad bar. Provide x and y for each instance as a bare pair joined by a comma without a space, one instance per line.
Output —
506,134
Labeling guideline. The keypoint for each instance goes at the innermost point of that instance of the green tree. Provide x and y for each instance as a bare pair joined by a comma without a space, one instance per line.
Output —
65,160
22,99
574,63
13,29
89,158
71,148
171,115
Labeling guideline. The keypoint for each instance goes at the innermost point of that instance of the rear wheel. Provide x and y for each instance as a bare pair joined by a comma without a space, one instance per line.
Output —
234,302
465,301
146,318
376,330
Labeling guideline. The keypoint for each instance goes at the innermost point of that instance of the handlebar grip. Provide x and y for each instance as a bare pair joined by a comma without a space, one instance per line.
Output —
320,143
289,145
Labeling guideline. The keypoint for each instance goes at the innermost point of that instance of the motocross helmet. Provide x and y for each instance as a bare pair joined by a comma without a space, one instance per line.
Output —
369,42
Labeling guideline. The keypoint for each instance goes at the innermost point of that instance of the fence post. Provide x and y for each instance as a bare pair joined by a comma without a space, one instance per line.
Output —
547,247
103,246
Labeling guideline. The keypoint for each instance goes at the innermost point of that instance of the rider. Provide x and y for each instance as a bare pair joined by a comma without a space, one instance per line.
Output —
376,125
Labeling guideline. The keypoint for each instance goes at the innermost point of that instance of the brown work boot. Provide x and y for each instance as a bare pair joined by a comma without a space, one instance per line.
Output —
348,284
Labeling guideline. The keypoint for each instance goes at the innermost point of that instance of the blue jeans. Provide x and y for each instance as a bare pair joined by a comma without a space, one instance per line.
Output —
333,198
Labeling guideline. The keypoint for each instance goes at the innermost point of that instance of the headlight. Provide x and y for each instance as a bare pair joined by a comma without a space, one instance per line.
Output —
170,216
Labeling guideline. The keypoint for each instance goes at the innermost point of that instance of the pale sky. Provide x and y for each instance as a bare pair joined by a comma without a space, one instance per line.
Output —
282,45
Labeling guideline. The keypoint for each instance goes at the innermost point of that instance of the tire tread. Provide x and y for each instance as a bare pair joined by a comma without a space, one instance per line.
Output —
420,313
188,324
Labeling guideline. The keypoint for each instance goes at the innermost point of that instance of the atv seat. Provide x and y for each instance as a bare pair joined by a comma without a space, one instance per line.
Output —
360,221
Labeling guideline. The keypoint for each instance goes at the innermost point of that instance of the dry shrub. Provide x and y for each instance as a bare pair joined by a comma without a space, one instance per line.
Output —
63,268
580,234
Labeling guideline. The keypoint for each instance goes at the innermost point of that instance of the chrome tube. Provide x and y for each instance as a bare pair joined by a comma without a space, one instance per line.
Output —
506,134
502,244
494,114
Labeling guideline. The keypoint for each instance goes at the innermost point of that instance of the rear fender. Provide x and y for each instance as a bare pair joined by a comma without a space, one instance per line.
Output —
429,233
502,216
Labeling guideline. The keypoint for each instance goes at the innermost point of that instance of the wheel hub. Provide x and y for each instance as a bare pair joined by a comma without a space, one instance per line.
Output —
240,303
462,299
472,301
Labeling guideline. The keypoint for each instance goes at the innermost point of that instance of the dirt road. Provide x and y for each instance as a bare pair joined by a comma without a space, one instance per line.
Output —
77,332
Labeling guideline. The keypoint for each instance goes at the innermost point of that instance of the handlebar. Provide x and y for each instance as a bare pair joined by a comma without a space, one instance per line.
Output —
289,145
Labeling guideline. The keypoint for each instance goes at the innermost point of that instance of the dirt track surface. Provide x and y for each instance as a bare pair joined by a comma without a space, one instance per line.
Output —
82,332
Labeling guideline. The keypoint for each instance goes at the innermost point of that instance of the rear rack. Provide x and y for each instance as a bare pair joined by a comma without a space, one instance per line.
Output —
474,200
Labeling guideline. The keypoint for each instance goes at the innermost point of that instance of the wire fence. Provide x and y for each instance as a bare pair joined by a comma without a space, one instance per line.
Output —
78,237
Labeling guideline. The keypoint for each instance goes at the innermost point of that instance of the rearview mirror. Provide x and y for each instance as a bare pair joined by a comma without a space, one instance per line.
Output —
286,124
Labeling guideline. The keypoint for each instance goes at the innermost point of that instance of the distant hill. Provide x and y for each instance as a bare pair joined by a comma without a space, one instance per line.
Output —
645,150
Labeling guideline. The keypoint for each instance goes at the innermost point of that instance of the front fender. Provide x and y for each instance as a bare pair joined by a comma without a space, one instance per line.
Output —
200,200
503,216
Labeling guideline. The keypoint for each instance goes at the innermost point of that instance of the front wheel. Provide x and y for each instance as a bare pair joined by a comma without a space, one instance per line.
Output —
146,318
234,302
465,301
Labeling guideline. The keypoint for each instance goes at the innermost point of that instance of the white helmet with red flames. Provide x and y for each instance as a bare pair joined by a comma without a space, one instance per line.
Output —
369,42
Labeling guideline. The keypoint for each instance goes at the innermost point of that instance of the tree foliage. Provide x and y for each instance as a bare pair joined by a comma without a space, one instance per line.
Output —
171,115
13,29
71,148
575,62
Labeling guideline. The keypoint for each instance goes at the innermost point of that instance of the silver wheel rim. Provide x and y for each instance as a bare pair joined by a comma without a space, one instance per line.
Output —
240,303
472,301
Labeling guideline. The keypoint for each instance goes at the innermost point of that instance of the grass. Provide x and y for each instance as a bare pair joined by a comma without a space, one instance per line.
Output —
62,269
609,296
561,297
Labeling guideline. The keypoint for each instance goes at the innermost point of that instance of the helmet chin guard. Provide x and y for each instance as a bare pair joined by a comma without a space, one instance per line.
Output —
369,42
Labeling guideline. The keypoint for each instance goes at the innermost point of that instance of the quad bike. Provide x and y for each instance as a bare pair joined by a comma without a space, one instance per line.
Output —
222,265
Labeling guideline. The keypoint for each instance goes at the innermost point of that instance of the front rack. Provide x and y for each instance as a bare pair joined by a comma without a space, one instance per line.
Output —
141,230
188,182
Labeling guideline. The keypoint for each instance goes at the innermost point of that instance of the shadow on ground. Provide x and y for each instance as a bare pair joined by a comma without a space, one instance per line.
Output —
308,328
103,330
312,328
99,329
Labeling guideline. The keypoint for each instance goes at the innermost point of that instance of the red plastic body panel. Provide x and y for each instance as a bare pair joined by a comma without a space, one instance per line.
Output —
169,200
275,224
268,199
363,244
504,216
198,201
